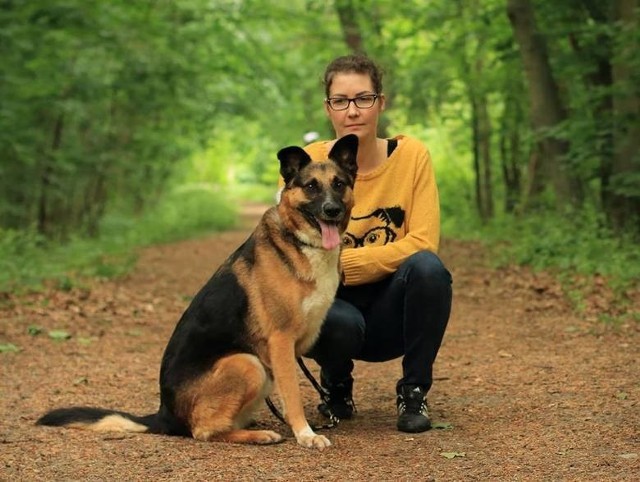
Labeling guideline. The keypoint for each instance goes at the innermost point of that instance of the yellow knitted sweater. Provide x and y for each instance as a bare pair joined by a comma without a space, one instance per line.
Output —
396,212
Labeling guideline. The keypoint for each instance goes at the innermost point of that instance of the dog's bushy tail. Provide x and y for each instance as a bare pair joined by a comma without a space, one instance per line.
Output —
100,420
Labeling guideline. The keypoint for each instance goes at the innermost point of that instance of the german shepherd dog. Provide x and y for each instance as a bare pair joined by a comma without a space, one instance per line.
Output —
262,308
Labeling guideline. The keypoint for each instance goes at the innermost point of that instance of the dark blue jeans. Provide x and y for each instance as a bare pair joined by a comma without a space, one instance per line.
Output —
404,314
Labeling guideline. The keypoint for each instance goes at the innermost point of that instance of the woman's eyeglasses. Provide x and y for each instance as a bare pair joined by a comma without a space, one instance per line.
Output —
343,103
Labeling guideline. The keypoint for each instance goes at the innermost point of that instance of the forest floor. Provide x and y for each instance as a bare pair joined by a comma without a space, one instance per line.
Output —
526,389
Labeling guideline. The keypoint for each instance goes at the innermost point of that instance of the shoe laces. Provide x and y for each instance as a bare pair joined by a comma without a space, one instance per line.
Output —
339,394
337,391
412,402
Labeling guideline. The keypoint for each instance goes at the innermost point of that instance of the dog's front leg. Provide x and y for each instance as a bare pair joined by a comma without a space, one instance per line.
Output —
283,363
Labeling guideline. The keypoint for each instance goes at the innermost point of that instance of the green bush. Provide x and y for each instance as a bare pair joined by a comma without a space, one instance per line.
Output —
576,243
189,210
27,260
259,193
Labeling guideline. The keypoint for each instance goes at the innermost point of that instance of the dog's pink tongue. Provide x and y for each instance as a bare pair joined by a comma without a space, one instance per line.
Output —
330,235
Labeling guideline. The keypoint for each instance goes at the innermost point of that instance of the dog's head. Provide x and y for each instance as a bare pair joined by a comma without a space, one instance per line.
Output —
317,197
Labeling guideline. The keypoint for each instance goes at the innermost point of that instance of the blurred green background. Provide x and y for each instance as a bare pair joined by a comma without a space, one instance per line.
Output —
129,123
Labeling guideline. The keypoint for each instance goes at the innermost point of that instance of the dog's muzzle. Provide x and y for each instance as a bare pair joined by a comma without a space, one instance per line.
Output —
332,211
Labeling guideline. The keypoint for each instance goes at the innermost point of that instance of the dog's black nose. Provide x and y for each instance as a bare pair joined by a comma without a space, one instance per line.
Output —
331,210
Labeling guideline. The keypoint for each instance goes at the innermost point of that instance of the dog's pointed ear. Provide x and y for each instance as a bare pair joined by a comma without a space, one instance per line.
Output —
292,159
345,153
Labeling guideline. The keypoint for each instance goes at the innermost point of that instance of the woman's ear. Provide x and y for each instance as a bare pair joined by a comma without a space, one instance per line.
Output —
383,102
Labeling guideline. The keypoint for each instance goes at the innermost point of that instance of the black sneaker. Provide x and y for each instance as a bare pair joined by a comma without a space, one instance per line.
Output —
413,413
340,400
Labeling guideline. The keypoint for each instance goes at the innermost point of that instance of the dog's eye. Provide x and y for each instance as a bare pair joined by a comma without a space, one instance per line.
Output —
311,186
338,184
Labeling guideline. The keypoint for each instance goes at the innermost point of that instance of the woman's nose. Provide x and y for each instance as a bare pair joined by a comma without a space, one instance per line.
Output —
352,110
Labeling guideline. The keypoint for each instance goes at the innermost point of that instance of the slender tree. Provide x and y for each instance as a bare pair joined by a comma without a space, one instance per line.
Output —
348,16
547,110
623,207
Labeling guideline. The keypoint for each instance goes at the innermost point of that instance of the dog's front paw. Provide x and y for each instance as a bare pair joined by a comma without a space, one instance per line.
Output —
267,437
309,439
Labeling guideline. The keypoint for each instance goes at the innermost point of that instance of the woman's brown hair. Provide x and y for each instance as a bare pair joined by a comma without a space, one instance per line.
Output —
359,64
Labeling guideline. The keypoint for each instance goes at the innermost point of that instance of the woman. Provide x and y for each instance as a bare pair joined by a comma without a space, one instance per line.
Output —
395,297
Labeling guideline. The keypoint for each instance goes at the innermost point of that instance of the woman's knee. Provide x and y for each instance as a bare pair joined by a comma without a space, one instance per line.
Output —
344,324
342,332
425,266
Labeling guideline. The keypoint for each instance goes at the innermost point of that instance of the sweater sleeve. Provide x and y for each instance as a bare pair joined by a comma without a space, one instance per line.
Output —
372,263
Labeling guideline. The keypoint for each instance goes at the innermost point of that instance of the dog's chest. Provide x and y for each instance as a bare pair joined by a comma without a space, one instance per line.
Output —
324,265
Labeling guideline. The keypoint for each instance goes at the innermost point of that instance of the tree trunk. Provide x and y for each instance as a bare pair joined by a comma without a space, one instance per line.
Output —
44,203
96,198
510,152
547,110
475,129
600,80
482,157
472,70
623,208
349,23
486,158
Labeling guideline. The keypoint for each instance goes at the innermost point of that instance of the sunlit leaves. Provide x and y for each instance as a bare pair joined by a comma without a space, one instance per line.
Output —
452,455
8,348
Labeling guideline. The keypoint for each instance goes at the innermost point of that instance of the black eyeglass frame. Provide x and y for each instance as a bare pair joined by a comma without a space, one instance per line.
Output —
354,100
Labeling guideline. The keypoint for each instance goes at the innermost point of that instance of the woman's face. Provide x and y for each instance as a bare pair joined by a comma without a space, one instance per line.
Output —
362,122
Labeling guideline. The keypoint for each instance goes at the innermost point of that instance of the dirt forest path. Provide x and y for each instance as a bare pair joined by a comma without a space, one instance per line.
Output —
525,389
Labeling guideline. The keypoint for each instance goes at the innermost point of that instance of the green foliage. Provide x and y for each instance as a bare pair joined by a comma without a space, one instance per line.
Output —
442,425
121,123
578,248
186,211
101,100
27,259
34,330
574,243
452,455
241,152
59,335
8,348
258,193
128,123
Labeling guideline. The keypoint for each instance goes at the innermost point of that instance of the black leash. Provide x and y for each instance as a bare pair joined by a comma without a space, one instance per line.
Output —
274,410
324,396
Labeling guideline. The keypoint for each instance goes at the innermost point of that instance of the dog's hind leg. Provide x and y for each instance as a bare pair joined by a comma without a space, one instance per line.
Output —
221,403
